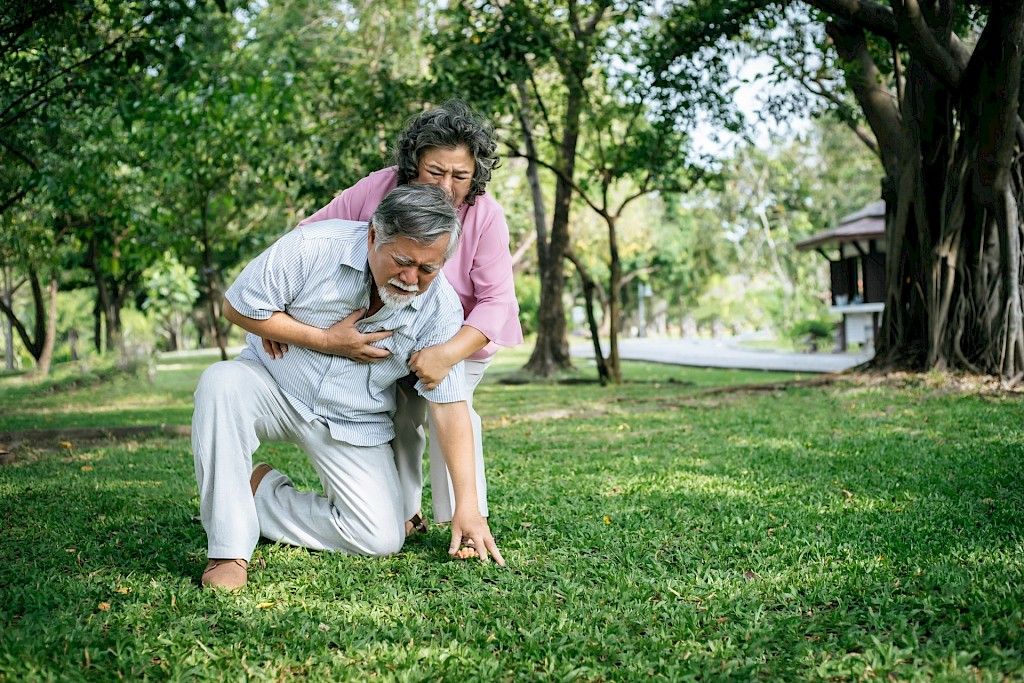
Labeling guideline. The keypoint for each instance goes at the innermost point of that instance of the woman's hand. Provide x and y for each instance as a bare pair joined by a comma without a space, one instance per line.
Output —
432,364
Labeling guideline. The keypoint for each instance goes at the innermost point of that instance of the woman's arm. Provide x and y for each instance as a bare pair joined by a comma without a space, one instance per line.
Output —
433,363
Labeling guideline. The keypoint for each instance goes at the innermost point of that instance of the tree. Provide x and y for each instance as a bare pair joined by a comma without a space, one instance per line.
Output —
938,87
26,243
566,75
58,58
171,293
628,155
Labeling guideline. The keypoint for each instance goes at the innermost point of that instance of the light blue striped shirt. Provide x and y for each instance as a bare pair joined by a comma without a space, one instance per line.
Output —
318,274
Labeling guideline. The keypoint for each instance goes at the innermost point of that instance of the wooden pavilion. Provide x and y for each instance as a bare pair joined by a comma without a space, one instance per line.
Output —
855,250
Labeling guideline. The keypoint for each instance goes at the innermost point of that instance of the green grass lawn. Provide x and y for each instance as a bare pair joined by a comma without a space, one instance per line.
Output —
652,530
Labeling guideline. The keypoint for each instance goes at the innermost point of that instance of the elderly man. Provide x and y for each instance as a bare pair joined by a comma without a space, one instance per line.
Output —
385,275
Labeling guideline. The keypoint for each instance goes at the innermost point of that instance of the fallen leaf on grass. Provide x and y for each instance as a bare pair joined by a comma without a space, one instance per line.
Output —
103,607
87,468
124,590
66,445
607,519
265,605
750,576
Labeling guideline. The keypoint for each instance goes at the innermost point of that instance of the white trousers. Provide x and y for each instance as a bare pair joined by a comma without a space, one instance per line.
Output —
238,405
410,439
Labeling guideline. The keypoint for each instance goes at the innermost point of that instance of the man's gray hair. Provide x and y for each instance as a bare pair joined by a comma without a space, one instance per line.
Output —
451,125
420,212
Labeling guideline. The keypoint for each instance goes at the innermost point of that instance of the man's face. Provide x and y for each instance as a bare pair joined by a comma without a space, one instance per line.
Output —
451,169
403,268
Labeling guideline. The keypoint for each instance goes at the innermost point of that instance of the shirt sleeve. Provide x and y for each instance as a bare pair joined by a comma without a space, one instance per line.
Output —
271,281
496,312
445,323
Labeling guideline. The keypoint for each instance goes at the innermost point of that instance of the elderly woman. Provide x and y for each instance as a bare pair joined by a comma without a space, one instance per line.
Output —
451,147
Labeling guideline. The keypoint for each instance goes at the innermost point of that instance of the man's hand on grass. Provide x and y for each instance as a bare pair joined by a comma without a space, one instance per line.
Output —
471,529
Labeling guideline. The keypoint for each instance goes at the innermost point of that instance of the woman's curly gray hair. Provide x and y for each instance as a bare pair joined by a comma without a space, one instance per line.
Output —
451,125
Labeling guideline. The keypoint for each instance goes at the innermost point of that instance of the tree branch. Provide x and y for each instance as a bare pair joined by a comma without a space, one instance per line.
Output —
863,76
14,199
543,111
634,274
561,175
8,120
923,44
866,14
20,155
17,28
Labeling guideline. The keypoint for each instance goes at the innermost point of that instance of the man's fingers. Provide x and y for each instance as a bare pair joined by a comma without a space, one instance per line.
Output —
493,547
371,337
481,549
453,547
268,347
354,316
372,352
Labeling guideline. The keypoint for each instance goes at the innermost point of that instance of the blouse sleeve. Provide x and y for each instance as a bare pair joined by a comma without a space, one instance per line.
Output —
496,311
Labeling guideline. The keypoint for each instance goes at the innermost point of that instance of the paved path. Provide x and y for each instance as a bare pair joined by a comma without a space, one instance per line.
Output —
710,353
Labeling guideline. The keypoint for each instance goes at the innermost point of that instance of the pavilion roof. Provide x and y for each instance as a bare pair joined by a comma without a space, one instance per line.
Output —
865,224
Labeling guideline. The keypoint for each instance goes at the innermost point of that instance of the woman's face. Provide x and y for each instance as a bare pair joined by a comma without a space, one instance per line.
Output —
451,169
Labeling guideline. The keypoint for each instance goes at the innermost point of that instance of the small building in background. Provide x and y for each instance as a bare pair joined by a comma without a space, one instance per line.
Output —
855,250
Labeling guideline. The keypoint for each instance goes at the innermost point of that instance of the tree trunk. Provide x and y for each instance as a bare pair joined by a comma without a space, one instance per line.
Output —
97,325
954,194
540,220
73,344
551,352
211,278
589,286
614,301
7,295
45,359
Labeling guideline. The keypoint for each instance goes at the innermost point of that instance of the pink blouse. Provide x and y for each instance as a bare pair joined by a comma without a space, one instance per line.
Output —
480,270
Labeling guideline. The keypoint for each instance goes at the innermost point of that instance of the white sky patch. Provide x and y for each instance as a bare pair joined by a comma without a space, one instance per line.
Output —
752,89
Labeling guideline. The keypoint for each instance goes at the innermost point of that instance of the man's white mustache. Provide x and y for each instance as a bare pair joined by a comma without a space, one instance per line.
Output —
412,289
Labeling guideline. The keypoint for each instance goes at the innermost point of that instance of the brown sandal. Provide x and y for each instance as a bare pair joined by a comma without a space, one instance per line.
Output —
418,525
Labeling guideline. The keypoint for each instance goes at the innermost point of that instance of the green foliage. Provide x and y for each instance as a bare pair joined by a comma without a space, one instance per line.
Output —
740,232
171,292
528,295
653,531
812,333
